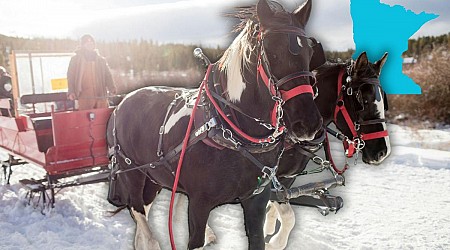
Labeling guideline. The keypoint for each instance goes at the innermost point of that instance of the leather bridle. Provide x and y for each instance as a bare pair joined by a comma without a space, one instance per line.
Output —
273,83
359,138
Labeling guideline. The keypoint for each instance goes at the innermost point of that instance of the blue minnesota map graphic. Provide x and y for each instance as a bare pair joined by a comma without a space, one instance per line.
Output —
380,28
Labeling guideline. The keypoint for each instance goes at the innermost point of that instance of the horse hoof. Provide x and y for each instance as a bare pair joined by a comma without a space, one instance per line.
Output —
272,247
210,237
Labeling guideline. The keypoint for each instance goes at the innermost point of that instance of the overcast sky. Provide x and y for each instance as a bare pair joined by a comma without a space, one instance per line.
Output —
198,22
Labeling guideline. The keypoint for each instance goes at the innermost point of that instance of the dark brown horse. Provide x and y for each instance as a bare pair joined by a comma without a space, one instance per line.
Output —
365,103
255,96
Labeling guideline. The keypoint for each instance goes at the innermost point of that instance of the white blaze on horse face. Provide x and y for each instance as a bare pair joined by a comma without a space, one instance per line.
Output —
388,145
143,238
175,118
380,109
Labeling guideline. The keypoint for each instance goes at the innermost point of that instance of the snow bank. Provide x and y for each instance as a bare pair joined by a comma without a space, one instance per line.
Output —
403,203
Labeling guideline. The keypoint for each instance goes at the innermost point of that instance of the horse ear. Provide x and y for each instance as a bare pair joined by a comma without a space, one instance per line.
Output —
264,12
361,62
303,12
379,64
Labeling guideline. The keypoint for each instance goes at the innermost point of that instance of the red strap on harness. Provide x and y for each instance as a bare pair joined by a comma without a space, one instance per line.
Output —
342,108
349,149
232,125
374,135
347,118
285,95
265,78
302,89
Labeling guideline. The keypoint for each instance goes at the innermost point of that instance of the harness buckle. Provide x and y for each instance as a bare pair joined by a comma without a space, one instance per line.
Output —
267,125
114,159
228,135
357,126
320,161
348,79
278,99
276,134
349,91
270,173
360,143
316,93
211,123
128,161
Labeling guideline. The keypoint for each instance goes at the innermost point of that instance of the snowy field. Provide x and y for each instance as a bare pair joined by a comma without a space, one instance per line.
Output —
402,204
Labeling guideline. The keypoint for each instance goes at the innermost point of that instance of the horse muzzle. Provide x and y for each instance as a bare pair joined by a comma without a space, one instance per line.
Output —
308,134
375,158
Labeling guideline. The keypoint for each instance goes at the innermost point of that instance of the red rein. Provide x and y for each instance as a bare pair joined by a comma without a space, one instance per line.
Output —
183,151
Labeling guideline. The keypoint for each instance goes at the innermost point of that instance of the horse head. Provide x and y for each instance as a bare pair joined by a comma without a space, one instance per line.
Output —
268,65
365,96
289,52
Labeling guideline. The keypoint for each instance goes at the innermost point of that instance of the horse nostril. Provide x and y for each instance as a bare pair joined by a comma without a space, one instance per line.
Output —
381,155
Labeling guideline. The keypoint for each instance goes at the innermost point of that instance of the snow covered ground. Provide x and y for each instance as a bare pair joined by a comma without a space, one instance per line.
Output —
402,204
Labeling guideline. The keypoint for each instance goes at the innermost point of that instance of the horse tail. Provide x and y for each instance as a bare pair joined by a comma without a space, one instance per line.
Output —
112,213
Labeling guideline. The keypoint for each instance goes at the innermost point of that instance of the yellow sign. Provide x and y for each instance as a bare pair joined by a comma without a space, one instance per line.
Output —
59,83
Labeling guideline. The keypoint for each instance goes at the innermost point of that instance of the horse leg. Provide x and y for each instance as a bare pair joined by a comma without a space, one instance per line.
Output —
198,218
287,221
144,238
149,194
271,219
254,213
210,236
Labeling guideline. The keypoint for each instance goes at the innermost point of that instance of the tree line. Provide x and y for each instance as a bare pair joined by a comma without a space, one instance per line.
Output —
139,56
142,56
426,44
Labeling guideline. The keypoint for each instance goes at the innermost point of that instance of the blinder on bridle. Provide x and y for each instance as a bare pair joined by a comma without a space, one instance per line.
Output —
369,84
318,58
293,33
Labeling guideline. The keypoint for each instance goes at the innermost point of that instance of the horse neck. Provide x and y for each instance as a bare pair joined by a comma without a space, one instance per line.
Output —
327,98
244,90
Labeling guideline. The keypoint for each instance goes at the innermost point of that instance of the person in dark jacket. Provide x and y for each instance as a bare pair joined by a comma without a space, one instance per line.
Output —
5,84
89,77
6,91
